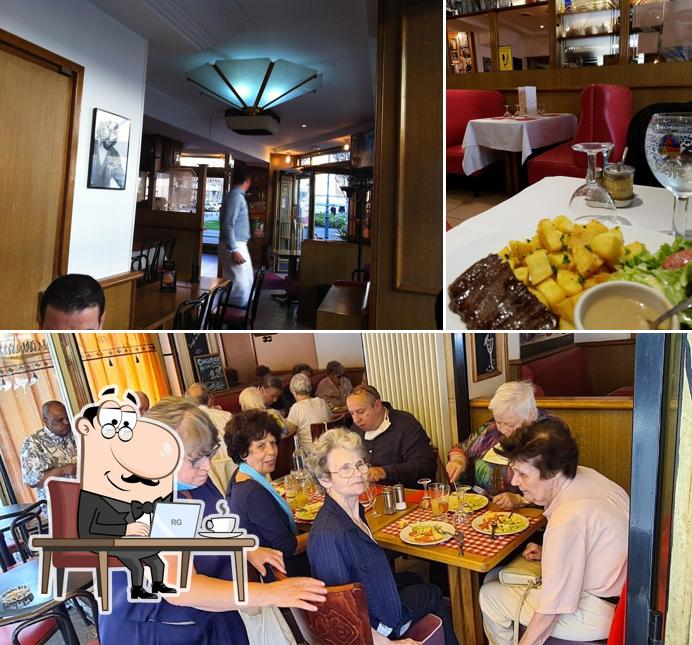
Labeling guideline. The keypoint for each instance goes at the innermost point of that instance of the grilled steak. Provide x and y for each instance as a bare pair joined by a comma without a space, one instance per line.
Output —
488,296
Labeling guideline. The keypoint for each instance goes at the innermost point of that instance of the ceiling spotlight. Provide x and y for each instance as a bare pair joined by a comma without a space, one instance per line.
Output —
347,146
303,126
542,27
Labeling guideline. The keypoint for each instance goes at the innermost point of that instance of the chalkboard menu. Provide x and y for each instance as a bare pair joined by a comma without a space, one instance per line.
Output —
197,344
210,372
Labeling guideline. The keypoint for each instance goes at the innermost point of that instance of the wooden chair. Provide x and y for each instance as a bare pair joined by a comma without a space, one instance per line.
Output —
343,619
190,314
244,317
284,458
31,521
317,430
216,306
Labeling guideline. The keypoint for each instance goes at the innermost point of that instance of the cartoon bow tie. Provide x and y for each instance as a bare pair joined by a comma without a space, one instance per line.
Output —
138,508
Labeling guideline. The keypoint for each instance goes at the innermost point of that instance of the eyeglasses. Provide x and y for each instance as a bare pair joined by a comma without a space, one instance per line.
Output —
346,472
359,389
195,463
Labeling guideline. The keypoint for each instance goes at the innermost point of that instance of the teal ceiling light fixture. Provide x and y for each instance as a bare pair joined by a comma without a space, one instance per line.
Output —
252,87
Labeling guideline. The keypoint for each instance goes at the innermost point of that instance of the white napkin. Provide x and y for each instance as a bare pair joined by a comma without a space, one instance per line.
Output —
493,458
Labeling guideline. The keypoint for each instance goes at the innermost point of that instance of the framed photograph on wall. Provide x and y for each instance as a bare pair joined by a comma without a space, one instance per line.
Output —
534,344
486,357
110,142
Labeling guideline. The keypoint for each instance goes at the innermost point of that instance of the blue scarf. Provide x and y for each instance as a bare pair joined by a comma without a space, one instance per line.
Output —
262,481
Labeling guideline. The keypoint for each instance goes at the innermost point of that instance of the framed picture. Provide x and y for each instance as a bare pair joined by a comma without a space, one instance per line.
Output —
486,358
533,344
110,142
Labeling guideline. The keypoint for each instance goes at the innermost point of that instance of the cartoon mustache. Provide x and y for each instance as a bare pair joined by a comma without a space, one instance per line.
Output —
136,479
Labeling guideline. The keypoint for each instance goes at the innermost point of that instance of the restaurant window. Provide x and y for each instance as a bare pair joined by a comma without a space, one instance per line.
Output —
128,361
213,197
331,206
28,379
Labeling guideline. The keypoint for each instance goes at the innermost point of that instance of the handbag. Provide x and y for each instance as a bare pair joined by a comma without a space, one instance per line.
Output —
521,572
266,626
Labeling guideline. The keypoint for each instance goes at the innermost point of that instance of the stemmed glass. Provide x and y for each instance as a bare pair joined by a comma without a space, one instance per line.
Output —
590,195
425,500
668,146
371,494
506,115
518,112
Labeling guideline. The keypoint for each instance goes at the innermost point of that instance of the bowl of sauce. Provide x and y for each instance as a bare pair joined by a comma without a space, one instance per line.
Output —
618,304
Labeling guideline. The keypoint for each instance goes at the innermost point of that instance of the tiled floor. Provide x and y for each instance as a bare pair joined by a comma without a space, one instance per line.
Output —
270,313
462,205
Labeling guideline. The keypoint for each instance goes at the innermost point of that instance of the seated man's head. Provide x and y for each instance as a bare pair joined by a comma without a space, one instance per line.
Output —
198,393
55,418
73,301
366,408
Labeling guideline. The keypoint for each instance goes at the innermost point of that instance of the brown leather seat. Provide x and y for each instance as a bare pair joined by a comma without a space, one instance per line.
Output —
343,619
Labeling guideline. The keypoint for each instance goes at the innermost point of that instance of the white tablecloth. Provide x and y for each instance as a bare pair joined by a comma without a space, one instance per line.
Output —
485,138
652,209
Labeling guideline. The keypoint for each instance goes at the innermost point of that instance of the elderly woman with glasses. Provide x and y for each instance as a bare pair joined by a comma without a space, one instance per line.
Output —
513,406
207,612
305,411
342,549
584,553
251,440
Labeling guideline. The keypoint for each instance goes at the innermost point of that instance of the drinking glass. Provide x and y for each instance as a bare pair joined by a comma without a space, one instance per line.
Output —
291,486
371,495
541,109
518,111
507,114
668,146
425,500
439,499
590,195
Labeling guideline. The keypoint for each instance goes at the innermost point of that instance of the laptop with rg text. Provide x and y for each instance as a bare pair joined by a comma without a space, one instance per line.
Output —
179,520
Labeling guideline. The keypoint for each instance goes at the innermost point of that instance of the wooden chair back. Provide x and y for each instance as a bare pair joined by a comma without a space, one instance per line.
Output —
317,430
253,300
190,314
30,522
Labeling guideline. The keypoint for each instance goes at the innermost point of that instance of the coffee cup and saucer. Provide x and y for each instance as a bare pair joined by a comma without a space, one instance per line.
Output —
220,526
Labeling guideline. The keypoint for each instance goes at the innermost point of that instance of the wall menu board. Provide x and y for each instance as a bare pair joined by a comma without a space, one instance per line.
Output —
210,372
484,357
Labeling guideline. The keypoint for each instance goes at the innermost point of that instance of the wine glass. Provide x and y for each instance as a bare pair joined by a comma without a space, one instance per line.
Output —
506,115
518,112
425,500
590,195
371,492
668,146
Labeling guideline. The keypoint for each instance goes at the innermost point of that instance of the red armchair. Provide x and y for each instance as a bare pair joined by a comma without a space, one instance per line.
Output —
462,106
605,115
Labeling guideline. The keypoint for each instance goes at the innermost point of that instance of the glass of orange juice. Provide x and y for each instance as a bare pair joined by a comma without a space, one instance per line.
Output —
439,499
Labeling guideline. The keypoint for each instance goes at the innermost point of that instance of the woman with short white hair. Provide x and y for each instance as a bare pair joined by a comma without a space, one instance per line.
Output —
305,411
513,406
341,548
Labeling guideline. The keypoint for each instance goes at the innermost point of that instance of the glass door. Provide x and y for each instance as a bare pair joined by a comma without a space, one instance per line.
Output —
331,206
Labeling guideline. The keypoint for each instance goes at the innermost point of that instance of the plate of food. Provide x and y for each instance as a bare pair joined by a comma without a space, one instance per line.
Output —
308,512
506,523
532,278
16,596
472,502
427,533
279,488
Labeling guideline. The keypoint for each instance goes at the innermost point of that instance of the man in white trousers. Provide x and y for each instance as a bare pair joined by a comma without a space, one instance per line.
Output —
235,232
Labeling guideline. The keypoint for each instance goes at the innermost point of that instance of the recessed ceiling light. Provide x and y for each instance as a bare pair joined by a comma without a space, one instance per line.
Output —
542,27
303,126
347,146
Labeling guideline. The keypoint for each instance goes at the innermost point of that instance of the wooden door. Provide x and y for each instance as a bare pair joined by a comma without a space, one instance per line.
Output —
38,103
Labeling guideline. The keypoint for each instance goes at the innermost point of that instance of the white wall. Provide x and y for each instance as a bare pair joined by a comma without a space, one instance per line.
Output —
114,60
345,348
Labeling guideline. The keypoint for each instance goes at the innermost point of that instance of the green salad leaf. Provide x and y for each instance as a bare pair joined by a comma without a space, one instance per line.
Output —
674,284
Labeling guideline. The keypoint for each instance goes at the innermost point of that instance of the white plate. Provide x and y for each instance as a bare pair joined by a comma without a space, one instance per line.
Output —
445,526
218,534
522,523
464,256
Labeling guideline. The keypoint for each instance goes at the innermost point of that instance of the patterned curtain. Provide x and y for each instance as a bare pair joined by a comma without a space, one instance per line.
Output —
130,361
27,381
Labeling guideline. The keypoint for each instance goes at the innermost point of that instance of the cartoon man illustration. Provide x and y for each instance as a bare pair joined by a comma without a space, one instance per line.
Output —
128,465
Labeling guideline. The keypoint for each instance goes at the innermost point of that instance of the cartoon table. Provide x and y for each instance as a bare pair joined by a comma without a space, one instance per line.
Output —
184,546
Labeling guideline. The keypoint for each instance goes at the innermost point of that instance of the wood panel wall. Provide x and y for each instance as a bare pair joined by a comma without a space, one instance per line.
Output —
186,228
323,262
407,218
560,89
602,427
120,299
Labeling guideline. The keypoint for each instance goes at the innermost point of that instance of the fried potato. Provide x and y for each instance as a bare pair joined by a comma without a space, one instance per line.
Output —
608,246
539,267
563,224
570,281
561,260
552,291
522,274
549,236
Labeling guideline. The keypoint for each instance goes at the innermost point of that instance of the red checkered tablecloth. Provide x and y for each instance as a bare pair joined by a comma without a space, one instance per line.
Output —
474,542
